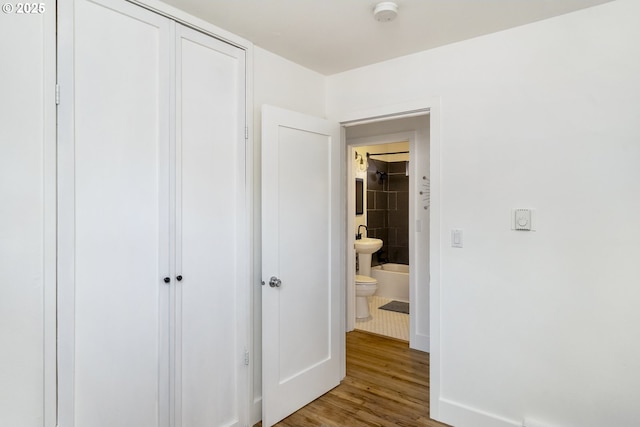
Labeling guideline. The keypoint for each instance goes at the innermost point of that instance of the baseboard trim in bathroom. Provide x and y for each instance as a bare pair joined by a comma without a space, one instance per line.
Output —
397,306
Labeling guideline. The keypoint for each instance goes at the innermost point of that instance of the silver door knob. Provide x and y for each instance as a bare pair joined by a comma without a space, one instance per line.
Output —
274,282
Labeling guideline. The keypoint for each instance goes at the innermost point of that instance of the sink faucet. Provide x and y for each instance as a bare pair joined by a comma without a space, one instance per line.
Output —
359,235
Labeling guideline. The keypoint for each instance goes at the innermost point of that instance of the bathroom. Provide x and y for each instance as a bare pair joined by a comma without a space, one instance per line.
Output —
389,201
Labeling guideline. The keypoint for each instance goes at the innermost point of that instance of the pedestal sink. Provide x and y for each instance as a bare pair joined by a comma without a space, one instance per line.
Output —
364,248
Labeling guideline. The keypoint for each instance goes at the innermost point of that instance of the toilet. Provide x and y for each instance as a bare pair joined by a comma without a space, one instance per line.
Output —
365,287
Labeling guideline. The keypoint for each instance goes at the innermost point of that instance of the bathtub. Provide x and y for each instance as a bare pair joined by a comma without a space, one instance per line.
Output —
393,281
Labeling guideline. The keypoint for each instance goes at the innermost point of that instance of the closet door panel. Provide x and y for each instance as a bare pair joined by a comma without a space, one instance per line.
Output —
211,199
121,215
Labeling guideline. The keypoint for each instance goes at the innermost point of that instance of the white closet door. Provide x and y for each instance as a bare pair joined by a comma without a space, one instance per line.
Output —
211,232
115,205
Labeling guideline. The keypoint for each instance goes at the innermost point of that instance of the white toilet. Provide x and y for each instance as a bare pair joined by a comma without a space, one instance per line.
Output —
365,287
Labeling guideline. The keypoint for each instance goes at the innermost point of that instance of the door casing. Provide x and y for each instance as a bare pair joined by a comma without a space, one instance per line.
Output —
432,106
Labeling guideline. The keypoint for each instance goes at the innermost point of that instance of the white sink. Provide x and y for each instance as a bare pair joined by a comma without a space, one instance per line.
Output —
368,245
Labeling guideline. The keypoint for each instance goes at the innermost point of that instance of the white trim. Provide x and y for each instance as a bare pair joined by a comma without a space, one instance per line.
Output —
256,409
460,415
176,136
65,220
386,112
174,362
342,252
50,214
255,236
350,255
193,22
244,250
416,340
435,176
388,138
249,227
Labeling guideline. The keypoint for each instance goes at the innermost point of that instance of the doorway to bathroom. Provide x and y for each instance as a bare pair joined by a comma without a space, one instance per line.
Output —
422,138
388,199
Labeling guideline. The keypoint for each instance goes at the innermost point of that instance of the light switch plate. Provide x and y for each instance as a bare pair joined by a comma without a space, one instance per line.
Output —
456,238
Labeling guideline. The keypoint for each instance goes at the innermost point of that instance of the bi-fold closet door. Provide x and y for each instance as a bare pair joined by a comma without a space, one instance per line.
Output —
153,220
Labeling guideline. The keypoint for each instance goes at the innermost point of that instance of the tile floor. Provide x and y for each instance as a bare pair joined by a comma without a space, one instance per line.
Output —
384,322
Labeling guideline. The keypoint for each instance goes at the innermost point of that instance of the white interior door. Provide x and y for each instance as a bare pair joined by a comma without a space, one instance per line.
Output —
211,232
302,326
114,220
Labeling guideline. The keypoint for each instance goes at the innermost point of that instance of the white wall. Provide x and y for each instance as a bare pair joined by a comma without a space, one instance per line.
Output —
27,219
359,154
284,84
533,324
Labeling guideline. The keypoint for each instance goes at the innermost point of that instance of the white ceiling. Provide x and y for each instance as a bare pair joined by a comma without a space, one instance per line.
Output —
330,36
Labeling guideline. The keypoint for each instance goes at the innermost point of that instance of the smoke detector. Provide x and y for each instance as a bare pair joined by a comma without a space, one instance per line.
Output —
385,11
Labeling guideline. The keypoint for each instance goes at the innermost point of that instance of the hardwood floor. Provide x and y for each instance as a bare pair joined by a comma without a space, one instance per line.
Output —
387,384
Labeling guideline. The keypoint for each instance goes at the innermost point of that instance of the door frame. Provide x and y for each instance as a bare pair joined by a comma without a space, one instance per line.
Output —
432,106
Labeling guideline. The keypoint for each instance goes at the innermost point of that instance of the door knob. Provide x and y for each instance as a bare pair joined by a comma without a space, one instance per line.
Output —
274,282
179,278
167,280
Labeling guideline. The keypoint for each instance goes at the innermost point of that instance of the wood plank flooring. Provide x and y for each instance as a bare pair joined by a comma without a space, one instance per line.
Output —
387,384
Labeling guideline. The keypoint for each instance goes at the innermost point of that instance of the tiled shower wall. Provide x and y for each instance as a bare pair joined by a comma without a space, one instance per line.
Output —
388,210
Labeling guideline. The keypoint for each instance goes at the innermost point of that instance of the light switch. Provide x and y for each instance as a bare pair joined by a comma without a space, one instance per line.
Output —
456,238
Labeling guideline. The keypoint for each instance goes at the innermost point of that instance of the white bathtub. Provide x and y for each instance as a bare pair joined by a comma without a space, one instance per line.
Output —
393,281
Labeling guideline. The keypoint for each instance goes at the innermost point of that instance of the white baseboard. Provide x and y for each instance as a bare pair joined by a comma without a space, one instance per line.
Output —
458,415
452,413
256,411
420,342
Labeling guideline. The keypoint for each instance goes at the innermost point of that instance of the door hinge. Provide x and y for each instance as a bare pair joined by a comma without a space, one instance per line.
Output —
246,132
246,357
57,102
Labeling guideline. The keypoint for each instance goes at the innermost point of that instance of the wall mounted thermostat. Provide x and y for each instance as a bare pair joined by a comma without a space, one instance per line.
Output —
521,219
